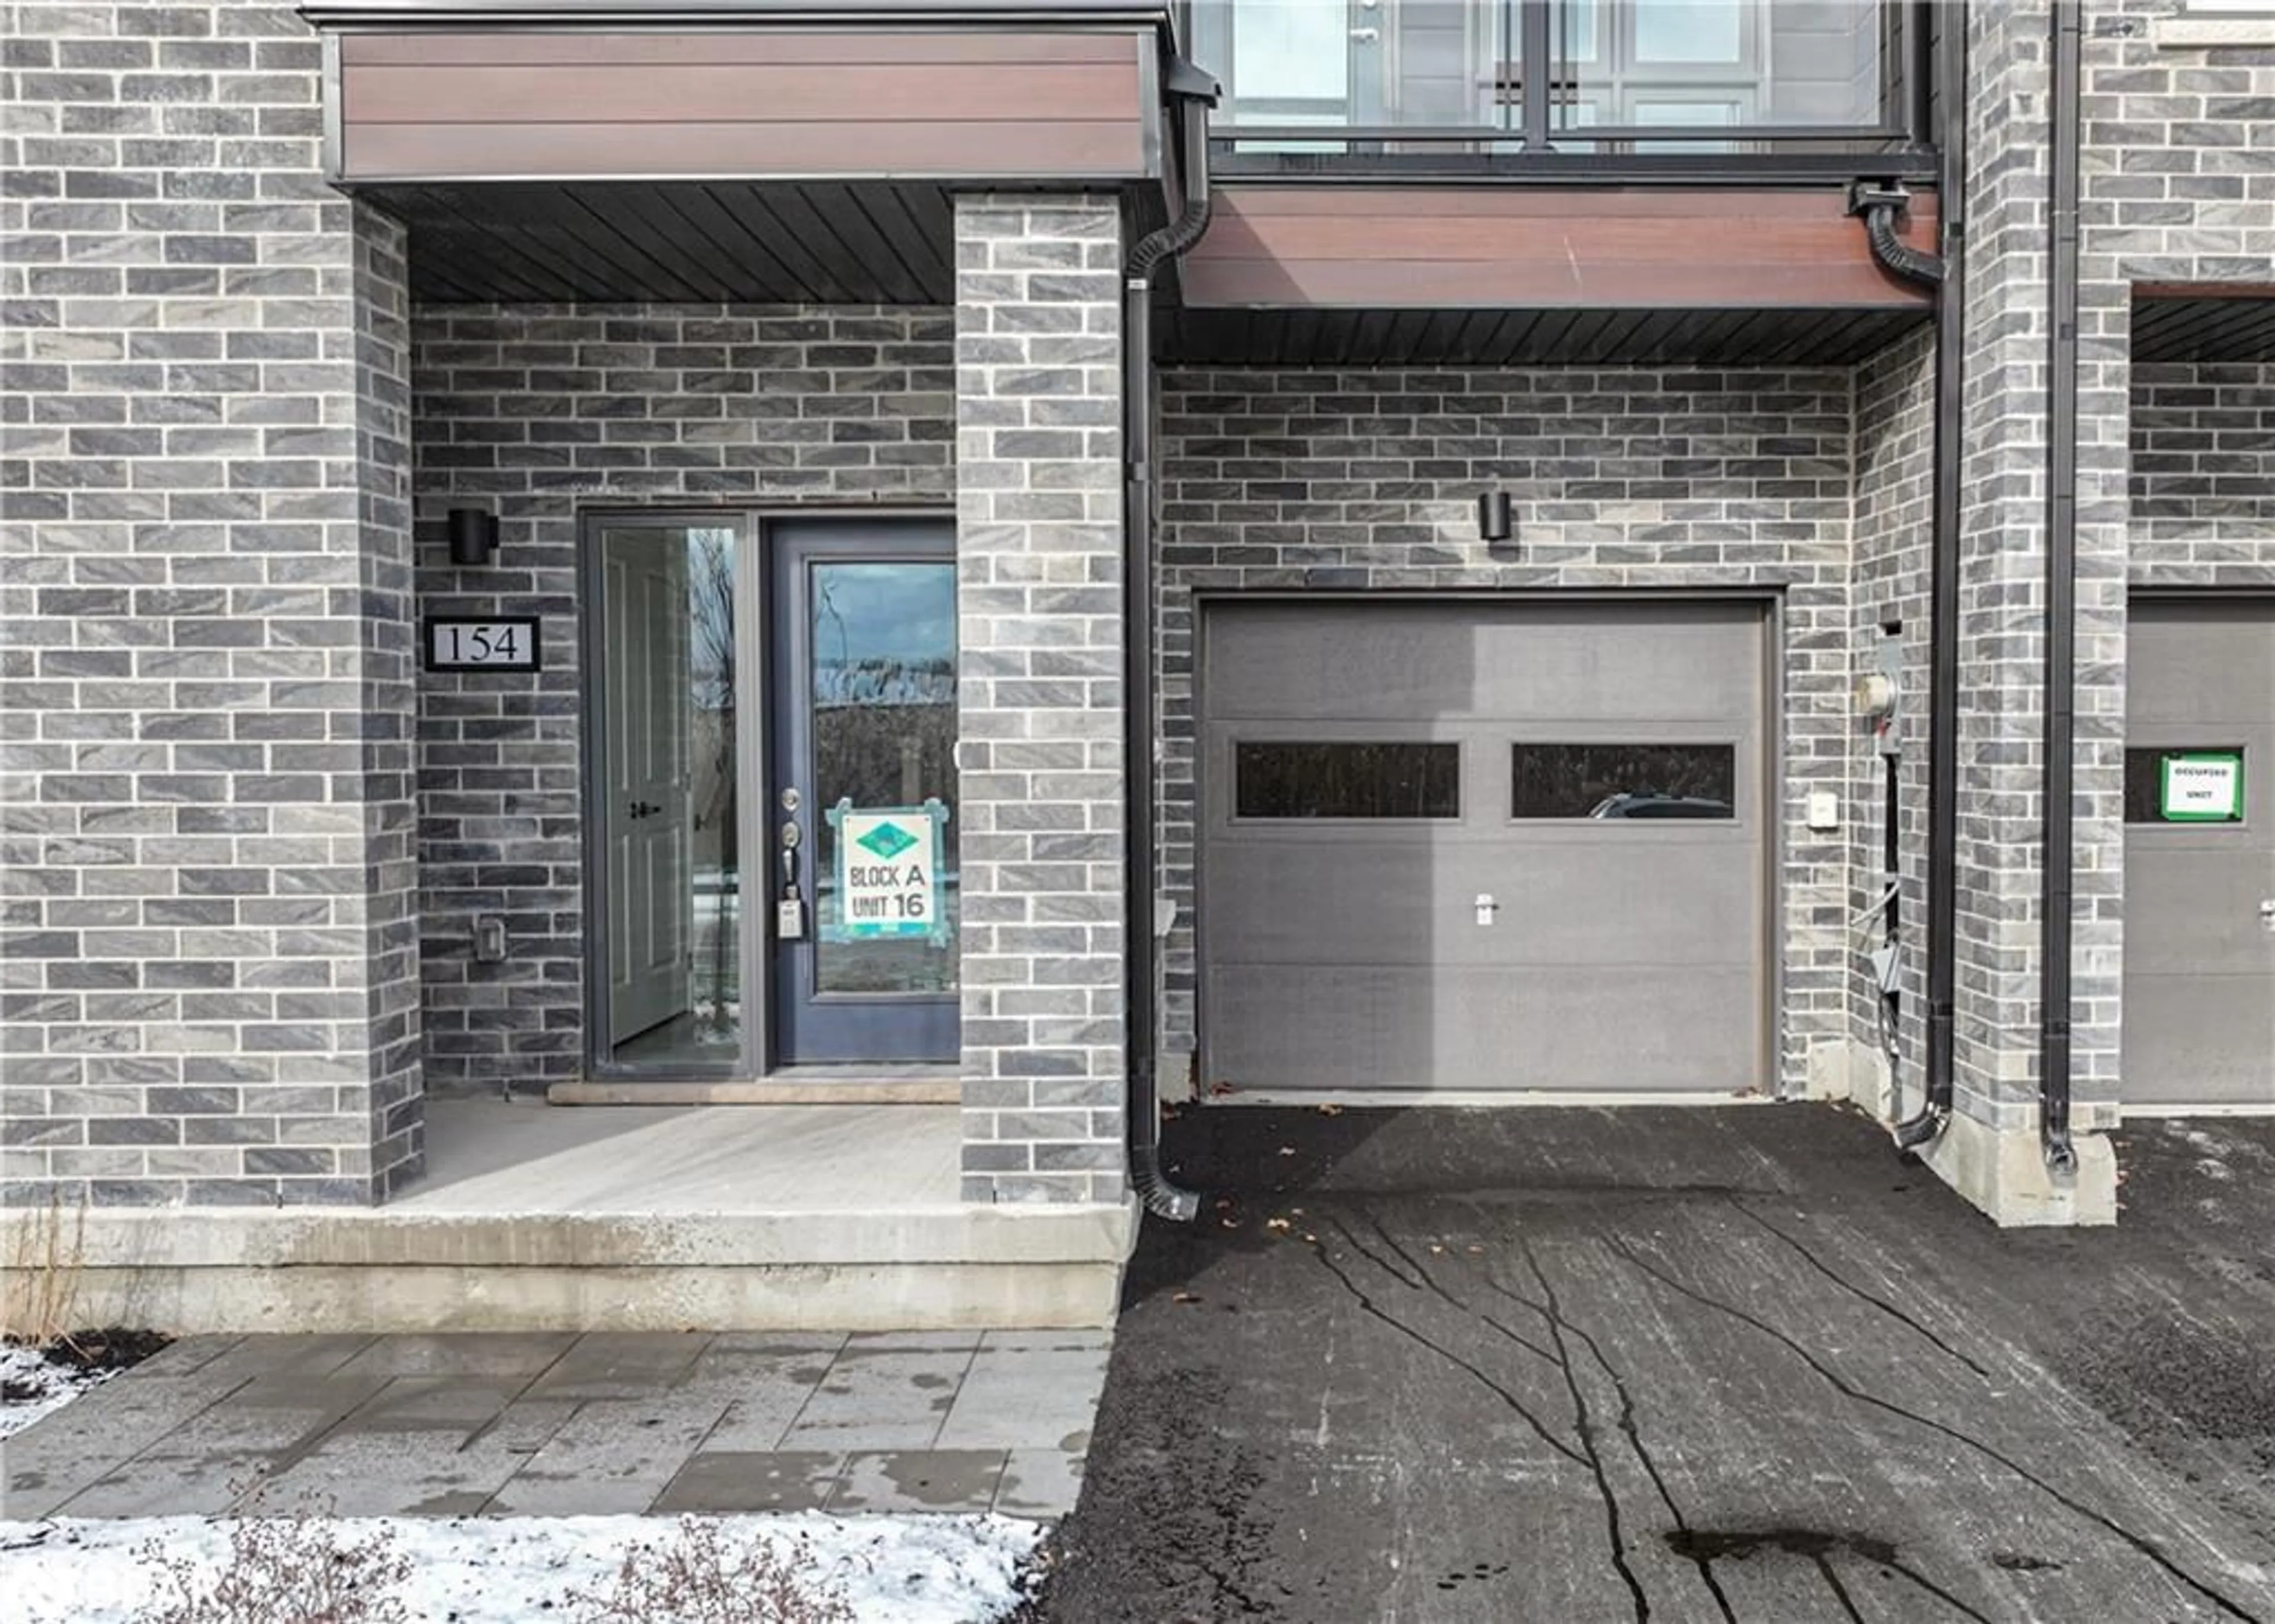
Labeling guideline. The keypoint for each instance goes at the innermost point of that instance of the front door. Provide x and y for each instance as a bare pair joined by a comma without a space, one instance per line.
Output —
863,792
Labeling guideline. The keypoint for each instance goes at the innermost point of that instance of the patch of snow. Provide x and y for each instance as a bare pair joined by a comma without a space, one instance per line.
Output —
518,1570
30,1385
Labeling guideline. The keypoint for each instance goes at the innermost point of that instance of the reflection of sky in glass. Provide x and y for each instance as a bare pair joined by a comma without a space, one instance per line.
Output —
896,612
1687,30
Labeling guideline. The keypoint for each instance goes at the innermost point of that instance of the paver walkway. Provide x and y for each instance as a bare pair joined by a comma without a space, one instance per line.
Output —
571,1426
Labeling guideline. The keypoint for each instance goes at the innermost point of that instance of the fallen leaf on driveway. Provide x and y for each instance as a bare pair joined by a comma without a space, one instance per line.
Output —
1331,1110
1186,1296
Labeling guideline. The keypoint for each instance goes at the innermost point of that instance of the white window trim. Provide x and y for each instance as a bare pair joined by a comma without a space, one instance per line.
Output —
2216,22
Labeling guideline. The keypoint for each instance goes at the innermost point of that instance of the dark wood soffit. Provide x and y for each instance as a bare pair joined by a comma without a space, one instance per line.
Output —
1470,248
945,105
1203,339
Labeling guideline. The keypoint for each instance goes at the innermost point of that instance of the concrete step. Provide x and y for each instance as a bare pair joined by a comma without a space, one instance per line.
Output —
393,1270
763,1217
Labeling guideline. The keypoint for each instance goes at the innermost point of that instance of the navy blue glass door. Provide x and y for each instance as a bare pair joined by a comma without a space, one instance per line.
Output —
863,793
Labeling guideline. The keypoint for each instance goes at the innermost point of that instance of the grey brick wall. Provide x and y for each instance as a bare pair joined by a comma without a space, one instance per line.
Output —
1038,563
1894,473
206,992
2188,197
2001,638
1337,479
2191,199
2202,473
542,412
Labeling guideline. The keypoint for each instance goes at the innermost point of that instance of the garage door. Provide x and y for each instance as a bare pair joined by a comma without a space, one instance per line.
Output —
2200,855
1464,847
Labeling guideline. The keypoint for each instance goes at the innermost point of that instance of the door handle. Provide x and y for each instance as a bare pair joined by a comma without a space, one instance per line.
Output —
645,809
1366,36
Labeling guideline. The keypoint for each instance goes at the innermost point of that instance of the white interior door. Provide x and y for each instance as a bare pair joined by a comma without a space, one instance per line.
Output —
647,779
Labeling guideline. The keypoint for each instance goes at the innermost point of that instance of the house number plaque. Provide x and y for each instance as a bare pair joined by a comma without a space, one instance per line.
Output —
482,643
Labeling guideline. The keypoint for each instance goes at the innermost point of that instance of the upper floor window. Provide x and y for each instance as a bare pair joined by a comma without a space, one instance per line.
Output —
1406,76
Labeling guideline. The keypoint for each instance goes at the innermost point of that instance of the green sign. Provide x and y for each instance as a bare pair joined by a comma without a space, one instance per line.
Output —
2201,787
888,873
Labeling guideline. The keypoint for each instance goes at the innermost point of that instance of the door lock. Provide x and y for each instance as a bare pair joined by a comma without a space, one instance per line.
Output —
790,908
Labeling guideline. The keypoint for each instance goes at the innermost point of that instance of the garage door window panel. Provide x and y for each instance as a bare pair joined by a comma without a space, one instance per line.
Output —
1344,779
1618,782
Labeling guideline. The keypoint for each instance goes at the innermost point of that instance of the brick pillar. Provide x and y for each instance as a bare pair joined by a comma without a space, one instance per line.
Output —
212,971
1991,1151
1038,538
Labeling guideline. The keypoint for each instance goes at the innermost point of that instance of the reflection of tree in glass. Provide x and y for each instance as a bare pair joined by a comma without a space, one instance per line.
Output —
1571,781
884,732
711,696
1325,779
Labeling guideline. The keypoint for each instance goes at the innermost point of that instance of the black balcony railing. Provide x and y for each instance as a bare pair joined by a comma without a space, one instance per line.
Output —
1548,87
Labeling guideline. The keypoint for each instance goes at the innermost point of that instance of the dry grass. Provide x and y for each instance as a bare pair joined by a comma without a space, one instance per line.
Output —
696,1578
47,1254
282,1570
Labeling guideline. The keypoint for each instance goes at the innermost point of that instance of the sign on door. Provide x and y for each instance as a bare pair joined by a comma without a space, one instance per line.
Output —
2202,787
888,862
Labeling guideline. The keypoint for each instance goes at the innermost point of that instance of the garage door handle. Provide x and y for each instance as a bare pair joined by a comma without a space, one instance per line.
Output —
2267,913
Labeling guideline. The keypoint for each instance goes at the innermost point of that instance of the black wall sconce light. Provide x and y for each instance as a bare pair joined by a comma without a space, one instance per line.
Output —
1492,517
473,536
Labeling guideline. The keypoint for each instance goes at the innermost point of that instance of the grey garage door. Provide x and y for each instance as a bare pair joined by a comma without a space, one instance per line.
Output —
2200,854
1484,847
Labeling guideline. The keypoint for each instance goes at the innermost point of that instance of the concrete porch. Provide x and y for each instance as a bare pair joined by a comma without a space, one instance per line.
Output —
540,1218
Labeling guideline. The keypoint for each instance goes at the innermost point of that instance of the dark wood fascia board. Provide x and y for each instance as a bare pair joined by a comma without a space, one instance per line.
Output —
974,106
1452,248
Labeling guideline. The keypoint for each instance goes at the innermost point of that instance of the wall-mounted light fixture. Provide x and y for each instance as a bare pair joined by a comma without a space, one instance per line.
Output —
473,536
1492,517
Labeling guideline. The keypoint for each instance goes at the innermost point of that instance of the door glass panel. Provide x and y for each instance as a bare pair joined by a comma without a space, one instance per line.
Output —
884,723
1690,31
1274,779
1688,116
1623,780
1291,50
669,811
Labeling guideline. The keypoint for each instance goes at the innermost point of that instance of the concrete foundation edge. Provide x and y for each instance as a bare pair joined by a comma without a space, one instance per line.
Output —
2001,1171
2004,1173
442,1298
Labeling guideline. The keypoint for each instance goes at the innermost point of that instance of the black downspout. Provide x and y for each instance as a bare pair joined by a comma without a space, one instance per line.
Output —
2056,906
1195,94
1946,273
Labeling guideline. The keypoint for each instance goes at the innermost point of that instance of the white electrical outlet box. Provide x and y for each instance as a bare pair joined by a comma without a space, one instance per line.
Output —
1824,809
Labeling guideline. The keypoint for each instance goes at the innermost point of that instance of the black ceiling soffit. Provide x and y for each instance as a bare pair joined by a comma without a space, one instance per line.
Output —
2180,328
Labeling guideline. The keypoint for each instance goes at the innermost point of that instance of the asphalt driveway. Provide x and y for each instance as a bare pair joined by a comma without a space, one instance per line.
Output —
1732,1365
